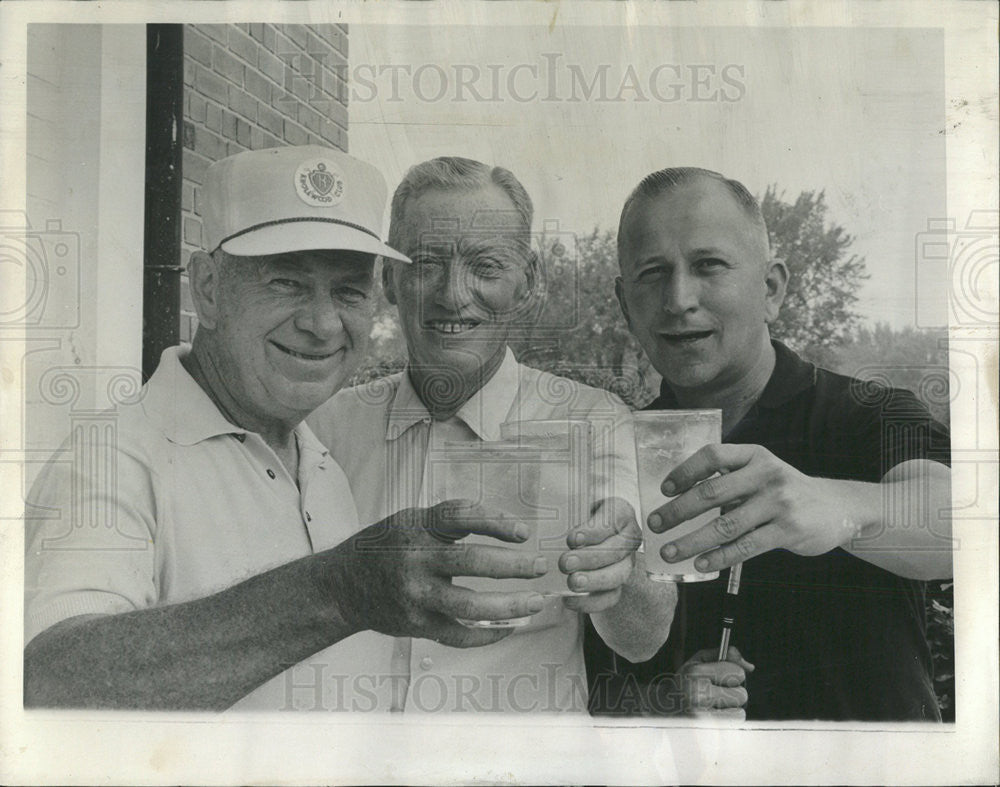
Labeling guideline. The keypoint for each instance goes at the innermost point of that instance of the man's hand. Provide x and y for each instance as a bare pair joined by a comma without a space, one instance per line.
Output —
396,575
601,556
714,688
766,504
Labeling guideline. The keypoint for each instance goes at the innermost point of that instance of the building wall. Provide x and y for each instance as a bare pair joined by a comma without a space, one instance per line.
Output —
83,242
252,86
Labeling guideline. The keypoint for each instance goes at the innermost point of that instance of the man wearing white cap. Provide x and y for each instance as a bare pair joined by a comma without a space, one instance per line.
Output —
235,550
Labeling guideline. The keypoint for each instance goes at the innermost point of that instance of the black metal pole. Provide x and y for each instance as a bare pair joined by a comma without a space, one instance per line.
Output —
161,302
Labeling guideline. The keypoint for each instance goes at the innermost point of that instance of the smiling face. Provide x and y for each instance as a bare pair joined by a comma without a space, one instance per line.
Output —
470,279
698,289
282,332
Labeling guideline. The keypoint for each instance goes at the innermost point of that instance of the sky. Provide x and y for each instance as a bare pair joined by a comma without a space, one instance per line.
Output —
581,114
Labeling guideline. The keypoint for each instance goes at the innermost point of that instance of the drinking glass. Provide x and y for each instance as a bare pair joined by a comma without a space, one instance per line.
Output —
664,439
534,480
566,483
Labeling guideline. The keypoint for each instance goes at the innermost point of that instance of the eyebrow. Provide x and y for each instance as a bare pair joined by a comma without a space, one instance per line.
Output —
700,251
357,277
709,251
466,245
281,263
498,241
652,259
432,247
349,272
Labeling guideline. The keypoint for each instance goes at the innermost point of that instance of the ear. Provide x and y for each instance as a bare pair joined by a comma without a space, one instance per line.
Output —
620,295
388,283
203,274
776,284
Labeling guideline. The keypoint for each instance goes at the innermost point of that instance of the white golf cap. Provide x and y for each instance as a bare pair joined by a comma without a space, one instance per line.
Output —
294,198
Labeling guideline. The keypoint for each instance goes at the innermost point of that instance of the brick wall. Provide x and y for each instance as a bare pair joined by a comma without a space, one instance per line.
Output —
251,86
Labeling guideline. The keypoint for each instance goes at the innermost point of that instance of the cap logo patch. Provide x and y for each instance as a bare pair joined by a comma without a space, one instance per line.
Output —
319,183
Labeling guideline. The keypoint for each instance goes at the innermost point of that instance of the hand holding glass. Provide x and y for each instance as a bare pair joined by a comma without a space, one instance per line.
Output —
531,481
664,439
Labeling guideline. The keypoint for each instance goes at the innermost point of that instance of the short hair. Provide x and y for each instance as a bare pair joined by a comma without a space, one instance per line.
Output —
665,180
453,172
232,266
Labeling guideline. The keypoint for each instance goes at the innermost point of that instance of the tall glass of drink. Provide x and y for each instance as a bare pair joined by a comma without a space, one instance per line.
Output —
566,485
664,439
532,481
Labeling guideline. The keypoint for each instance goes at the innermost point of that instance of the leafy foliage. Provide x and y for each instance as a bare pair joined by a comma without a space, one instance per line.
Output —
918,361
913,359
376,369
824,277
941,636
580,332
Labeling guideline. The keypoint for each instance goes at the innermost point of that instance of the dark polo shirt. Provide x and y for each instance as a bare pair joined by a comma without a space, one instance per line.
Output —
832,636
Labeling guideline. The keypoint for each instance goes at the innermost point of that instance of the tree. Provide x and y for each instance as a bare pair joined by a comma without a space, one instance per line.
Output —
386,347
824,278
580,332
908,358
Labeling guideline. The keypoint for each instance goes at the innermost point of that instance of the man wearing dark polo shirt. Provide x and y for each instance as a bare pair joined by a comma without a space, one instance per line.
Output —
835,493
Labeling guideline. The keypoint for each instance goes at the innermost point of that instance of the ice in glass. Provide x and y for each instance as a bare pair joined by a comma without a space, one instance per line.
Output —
664,439
535,480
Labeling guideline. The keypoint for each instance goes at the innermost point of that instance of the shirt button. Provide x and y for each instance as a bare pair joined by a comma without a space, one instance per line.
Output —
426,663
308,517
270,473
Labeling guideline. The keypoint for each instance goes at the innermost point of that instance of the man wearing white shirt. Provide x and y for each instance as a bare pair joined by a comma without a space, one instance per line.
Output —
466,227
234,550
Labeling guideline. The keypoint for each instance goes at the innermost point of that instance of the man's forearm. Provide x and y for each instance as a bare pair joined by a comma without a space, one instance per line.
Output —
204,654
904,521
639,623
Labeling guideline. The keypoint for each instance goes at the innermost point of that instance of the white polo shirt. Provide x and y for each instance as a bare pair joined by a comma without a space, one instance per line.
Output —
380,433
169,502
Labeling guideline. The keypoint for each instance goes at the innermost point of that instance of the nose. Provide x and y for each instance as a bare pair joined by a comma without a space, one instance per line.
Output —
453,287
680,293
320,317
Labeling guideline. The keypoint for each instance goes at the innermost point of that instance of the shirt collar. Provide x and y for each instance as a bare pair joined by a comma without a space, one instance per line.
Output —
179,406
790,376
483,413
312,452
186,415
